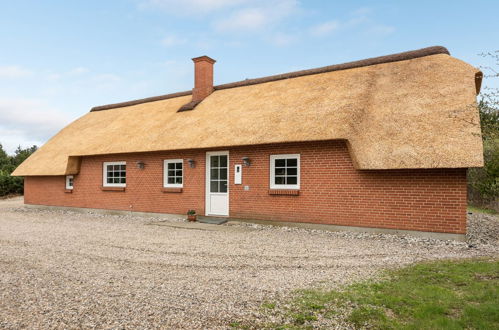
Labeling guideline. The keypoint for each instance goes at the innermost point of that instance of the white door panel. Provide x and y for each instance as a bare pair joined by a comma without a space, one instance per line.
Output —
218,204
217,183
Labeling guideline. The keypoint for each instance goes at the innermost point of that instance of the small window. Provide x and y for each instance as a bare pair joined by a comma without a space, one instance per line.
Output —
114,174
173,173
69,181
285,171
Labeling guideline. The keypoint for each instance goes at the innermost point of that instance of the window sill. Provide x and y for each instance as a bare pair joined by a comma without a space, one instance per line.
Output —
171,190
288,192
112,188
68,191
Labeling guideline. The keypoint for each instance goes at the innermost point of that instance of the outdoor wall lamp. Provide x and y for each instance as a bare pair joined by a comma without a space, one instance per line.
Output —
246,161
140,164
192,163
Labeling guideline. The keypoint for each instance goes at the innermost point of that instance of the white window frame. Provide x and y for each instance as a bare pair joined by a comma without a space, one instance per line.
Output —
272,172
68,177
165,173
104,174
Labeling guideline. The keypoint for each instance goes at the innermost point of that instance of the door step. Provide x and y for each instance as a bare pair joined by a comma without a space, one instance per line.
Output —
212,220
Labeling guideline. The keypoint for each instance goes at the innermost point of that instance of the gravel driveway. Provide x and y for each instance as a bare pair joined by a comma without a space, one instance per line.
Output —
71,270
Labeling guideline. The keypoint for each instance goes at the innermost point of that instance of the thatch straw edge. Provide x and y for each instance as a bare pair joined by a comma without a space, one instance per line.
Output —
140,101
337,67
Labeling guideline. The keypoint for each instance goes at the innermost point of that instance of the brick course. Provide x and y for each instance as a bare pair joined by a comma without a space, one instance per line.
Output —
331,190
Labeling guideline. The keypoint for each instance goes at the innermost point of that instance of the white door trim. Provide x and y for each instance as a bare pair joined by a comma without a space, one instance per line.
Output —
207,182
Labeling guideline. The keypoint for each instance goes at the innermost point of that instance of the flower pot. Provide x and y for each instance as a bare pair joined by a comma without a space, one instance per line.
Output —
191,217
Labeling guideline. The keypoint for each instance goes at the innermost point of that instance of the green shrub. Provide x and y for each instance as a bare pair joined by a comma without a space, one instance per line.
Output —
483,183
10,185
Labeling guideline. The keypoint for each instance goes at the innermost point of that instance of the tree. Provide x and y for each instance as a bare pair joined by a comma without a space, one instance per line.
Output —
9,184
20,155
4,158
483,183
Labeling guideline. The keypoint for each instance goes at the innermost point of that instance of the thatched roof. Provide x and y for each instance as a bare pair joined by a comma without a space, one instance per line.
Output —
410,110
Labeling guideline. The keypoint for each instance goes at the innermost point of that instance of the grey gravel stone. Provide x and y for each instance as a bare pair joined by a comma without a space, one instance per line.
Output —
60,269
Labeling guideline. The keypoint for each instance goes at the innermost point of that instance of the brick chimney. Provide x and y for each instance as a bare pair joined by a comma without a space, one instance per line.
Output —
203,78
203,81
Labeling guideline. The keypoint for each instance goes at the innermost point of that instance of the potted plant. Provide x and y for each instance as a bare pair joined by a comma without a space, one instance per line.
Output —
191,215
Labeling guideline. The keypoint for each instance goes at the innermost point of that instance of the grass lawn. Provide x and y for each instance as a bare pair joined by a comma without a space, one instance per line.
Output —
481,210
438,295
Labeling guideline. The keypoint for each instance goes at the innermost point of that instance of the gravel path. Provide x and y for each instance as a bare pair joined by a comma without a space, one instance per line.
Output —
71,270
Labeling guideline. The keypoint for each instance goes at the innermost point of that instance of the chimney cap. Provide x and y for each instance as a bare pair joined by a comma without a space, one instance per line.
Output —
204,58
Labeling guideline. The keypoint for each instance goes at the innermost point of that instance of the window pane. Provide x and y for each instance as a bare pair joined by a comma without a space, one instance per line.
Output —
114,174
179,166
178,173
279,180
291,180
171,166
280,162
214,186
214,174
292,162
223,186
223,173
214,161
171,173
280,171
223,161
291,171
178,180
171,180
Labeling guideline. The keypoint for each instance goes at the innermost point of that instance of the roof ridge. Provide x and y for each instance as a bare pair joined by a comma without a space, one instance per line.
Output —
428,51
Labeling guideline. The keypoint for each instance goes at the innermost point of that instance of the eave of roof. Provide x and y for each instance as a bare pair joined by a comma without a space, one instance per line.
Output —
336,67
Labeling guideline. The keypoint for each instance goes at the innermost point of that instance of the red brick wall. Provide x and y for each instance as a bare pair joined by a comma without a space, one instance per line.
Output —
332,191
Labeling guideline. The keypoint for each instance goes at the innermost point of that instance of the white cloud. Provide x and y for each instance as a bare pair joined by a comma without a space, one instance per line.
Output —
358,19
245,19
191,7
78,70
282,39
325,28
380,30
262,15
172,40
14,71
359,16
54,76
27,122
10,139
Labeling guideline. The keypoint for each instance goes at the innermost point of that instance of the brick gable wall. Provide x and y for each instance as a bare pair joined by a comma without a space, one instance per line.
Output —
332,191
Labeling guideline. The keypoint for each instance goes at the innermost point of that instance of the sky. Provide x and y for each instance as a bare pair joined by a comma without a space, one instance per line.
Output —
60,58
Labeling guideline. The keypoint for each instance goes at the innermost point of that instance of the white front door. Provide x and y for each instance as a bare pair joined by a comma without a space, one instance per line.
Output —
217,183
